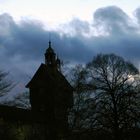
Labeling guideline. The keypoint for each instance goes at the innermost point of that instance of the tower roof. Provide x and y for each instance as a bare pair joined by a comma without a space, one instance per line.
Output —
49,49
46,76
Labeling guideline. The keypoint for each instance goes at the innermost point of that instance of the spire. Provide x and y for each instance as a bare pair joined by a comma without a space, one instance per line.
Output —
50,44
49,49
50,58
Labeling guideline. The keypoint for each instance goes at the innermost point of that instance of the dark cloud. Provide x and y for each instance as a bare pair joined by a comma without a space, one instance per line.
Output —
113,20
76,27
122,36
23,44
24,39
28,40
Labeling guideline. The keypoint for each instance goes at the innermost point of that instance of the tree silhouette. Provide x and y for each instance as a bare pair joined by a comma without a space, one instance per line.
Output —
5,84
21,100
82,115
116,92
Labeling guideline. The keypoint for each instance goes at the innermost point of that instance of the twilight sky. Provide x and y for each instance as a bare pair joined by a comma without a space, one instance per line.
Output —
79,30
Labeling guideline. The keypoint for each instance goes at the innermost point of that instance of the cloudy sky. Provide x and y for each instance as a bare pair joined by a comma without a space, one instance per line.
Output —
79,30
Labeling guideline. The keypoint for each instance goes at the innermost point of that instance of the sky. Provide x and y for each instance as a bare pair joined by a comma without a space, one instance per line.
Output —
79,30
53,12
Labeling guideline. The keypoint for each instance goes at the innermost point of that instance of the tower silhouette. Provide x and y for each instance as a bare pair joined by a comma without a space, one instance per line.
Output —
51,94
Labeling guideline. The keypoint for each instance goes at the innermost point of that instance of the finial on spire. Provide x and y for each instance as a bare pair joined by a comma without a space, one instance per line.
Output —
50,40
50,44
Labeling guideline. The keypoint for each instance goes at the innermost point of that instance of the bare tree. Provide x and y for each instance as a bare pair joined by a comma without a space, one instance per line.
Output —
82,114
5,84
116,92
21,100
